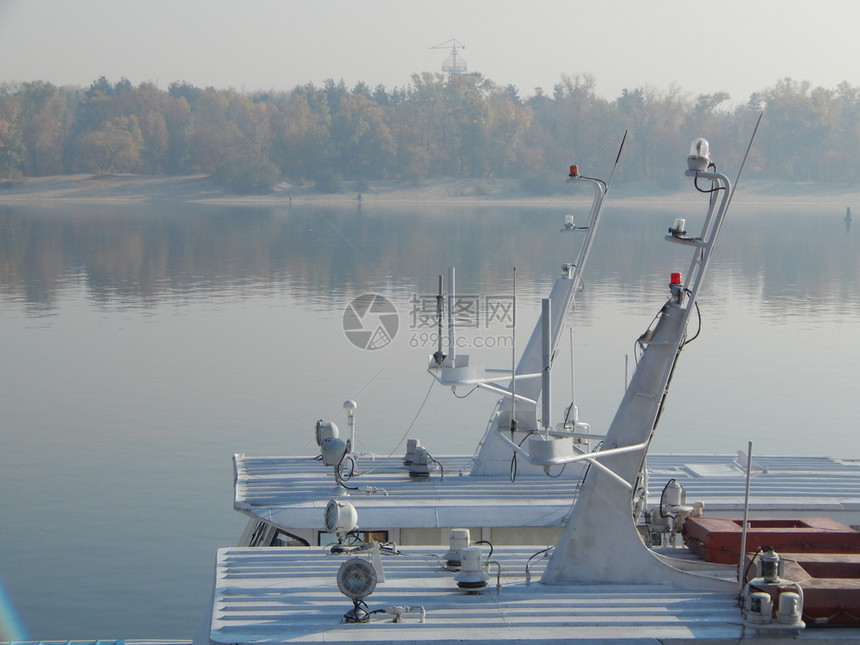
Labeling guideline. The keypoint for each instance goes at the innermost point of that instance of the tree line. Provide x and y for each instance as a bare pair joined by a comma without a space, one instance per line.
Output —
436,127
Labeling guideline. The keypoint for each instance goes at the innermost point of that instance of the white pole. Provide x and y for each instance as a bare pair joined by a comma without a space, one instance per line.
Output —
572,368
514,356
546,329
452,348
350,406
746,519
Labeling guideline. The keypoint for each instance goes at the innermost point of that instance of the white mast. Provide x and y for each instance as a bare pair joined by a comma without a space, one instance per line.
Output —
618,554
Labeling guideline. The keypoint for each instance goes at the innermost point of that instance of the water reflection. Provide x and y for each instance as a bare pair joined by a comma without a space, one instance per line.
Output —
138,257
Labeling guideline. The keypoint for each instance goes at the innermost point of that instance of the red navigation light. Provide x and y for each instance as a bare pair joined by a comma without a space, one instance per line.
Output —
574,171
675,278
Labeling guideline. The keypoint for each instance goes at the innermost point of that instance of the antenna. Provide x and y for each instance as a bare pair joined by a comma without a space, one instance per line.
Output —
514,357
453,65
439,356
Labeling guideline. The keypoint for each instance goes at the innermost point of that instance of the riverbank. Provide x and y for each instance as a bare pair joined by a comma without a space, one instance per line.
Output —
201,189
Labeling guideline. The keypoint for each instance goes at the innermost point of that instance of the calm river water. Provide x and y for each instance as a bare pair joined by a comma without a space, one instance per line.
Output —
144,345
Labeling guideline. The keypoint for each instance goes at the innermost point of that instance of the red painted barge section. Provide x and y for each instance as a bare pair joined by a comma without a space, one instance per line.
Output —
819,554
830,583
719,540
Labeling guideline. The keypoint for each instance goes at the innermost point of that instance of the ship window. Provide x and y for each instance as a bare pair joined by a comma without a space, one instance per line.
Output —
282,538
327,539
258,534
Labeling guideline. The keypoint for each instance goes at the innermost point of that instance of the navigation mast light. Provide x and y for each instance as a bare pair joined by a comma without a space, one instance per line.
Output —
700,155
679,227
676,288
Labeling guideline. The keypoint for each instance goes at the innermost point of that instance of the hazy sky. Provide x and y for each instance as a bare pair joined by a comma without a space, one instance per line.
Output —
738,46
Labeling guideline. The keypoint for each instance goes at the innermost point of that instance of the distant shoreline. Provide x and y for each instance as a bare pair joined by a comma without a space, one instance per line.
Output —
200,189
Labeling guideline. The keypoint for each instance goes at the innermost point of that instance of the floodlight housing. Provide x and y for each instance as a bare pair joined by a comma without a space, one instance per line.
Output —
356,580
325,430
333,450
340,518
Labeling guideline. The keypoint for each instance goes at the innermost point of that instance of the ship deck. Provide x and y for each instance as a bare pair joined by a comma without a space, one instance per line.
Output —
292,492
266,595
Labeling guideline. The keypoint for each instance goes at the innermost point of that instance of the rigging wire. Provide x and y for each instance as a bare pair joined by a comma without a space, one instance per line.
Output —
366,260
409,428
291,460
361,256
415,418
281,471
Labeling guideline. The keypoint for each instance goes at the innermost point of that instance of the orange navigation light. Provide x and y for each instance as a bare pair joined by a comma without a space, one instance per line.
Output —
574,171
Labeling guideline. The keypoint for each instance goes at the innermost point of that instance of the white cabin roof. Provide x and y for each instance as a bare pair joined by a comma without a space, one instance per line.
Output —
789,486
271,595
292,492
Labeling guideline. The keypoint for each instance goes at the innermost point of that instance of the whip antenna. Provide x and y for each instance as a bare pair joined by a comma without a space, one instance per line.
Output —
617,157
744,162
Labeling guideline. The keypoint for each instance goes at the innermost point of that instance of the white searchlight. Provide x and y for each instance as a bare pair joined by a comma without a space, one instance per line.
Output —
340,519
334,449
325,430
356,580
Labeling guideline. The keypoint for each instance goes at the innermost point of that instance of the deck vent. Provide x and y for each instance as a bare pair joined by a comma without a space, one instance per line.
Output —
458,541
473,576
420,466
411,445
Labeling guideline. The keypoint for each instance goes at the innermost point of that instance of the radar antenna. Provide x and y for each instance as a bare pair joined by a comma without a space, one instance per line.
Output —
454,65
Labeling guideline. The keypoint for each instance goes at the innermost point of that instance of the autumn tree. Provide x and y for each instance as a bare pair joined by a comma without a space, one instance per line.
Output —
115,147
506,124
436,126
46,122
422,130
364,139
797,120
302,135
11,140
844,137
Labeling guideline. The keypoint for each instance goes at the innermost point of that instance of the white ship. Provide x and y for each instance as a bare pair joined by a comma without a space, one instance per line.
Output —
582,539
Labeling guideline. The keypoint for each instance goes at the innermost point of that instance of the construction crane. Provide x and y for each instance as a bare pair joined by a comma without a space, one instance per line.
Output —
454,65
